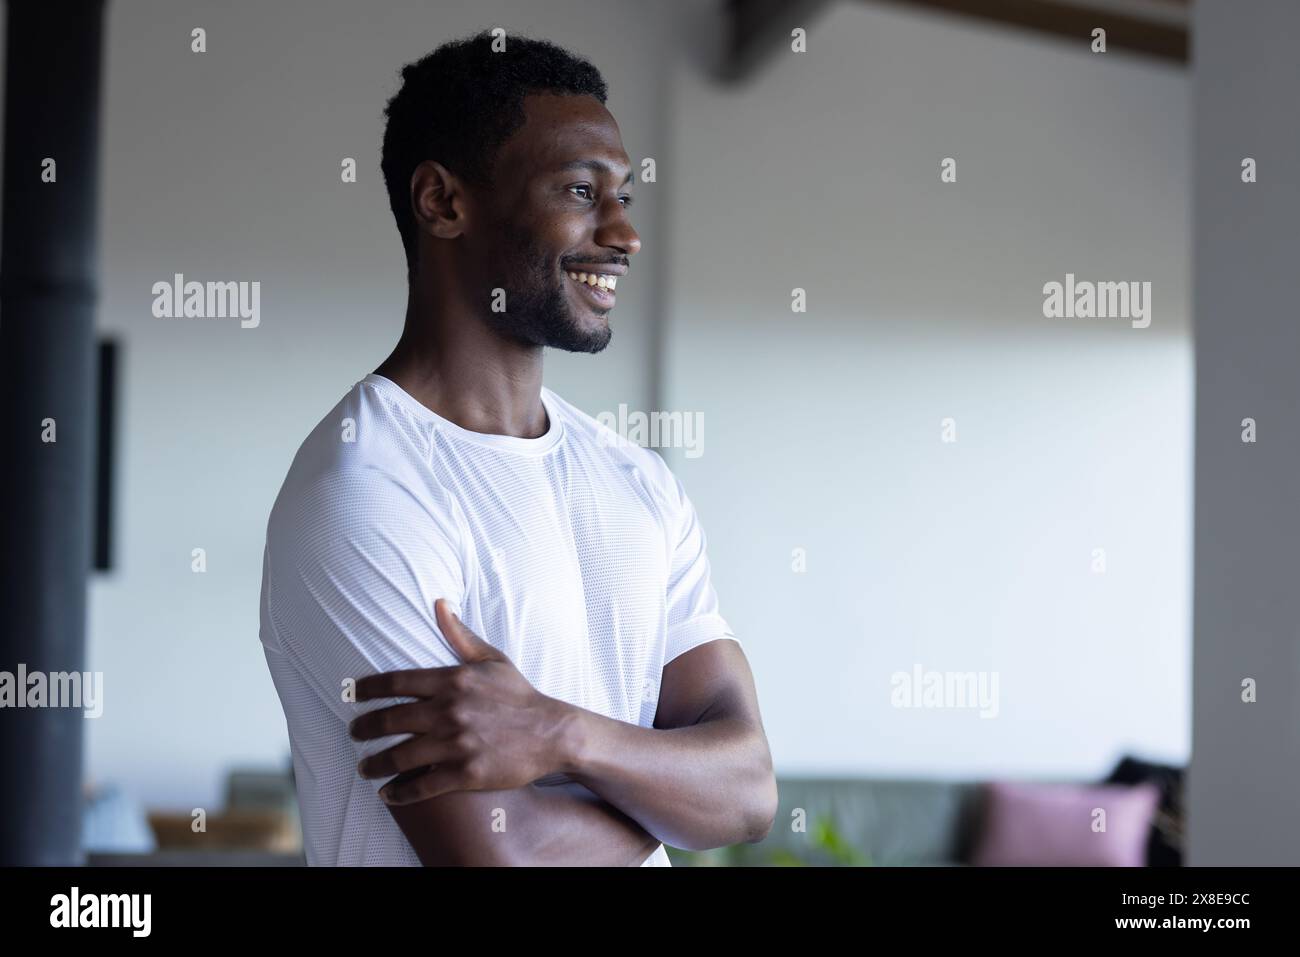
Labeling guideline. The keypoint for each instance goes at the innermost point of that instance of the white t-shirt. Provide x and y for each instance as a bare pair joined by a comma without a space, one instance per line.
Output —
576,553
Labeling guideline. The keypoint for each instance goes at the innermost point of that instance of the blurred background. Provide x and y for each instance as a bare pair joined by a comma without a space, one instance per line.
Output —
918,478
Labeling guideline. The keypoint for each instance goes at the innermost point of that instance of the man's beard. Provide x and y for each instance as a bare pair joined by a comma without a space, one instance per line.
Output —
537,307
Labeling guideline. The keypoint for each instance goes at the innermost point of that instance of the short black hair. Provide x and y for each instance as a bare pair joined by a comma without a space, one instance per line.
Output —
458,104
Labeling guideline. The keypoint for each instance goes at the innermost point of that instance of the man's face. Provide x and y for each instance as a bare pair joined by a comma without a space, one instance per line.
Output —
559,202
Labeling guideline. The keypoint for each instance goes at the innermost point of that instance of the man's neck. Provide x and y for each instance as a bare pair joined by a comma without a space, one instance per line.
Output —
468,374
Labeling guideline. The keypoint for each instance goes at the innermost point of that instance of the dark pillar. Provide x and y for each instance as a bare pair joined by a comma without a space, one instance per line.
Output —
48,262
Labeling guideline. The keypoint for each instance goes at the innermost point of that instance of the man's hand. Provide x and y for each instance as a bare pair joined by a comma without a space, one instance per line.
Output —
480,724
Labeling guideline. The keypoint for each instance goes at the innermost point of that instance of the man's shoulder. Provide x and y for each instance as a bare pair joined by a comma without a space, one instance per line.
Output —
364,427
363,464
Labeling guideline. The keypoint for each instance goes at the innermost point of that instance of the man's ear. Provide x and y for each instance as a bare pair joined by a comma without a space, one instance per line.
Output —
438,201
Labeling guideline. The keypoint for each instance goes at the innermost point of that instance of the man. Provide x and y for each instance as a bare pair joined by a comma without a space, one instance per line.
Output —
489,620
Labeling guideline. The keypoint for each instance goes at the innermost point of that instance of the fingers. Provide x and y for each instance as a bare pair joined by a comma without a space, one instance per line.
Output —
407,756
440,780
408,683
426,682
414,717
467,645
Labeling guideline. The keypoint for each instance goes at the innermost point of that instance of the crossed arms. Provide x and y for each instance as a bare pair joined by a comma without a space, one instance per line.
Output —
701,777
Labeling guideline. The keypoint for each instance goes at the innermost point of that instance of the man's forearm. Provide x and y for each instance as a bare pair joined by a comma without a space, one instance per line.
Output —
562,825
569,825
698,787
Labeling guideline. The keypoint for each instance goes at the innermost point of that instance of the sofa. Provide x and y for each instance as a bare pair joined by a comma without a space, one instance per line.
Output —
888,822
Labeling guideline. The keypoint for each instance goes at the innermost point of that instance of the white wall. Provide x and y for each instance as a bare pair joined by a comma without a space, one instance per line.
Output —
822,430
225,166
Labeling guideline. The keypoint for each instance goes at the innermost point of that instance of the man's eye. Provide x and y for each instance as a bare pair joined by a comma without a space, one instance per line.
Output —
627,200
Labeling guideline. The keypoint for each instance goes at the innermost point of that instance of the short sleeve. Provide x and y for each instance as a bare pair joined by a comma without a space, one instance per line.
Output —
352,568
693,614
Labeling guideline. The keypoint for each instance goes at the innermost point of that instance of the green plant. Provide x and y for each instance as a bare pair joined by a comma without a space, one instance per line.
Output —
828,848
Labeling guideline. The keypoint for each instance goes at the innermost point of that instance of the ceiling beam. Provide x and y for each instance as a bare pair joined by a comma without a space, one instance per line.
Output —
1161,38
758,29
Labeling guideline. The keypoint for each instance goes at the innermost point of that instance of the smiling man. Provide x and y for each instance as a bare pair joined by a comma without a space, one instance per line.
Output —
490,623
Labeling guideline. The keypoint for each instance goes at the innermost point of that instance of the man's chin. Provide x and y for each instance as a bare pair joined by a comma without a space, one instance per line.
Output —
584,338
589,345
558,329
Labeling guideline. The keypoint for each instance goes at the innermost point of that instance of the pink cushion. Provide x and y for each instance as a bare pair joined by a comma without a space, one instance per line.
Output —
1051,825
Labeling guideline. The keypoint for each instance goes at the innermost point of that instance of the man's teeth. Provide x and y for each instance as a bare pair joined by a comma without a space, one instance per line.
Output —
592,279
